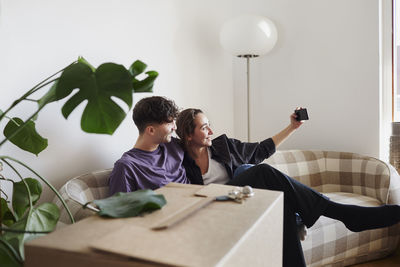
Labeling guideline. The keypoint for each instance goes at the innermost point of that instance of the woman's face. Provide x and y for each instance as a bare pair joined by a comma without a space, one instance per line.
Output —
202,132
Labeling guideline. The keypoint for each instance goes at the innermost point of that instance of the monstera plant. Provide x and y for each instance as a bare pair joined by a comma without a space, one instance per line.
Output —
21,218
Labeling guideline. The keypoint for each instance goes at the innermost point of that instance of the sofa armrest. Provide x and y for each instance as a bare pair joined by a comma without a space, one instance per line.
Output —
357,174
76,208
81,190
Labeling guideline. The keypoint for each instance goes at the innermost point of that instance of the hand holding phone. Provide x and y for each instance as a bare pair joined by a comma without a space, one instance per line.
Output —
301,114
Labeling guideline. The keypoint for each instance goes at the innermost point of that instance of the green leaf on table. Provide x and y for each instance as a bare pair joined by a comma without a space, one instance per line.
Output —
6,215
101,114
122,205
20,200
42,218
27,138
145,85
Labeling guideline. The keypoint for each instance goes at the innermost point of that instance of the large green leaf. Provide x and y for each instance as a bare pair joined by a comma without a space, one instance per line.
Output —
122,205
84,61
41,219
20,200
74,76
137,68
145,85
6,215
27,138
101,114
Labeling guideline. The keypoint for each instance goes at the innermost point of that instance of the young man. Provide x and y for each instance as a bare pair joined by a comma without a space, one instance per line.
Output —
157,159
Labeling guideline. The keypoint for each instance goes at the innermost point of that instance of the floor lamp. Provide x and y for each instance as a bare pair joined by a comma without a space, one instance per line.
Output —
248,36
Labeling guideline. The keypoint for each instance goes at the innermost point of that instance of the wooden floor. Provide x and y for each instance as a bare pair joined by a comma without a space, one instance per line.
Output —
391,261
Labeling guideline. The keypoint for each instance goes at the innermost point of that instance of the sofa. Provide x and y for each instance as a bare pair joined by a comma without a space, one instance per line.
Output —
344,177
78,192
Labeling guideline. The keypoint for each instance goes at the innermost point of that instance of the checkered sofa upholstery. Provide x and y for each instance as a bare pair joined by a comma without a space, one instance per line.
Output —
80,190
347,178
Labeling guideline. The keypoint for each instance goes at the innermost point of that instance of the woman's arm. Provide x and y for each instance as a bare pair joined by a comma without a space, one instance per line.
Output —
285,133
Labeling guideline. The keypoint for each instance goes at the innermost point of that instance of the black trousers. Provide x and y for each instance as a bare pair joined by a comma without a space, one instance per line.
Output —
297,198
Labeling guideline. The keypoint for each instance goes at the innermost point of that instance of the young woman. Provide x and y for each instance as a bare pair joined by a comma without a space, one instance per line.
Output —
215,160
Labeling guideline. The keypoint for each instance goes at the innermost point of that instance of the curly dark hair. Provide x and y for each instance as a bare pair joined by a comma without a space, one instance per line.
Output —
154,109
185,123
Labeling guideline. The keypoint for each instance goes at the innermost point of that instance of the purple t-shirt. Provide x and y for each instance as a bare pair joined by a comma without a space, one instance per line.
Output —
139,169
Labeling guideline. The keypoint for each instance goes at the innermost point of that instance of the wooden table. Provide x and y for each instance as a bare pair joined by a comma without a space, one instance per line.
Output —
219,234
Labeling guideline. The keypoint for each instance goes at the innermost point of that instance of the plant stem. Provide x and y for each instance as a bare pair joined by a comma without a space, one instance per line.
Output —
43,85
29,214
6,196
17,257
32,100
23,181
34,89
21,126
46,182
27,121
5,179
2,191
23,231
1,213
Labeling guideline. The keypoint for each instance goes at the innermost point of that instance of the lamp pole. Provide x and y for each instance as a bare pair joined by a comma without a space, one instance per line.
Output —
248,98
248,36
248,56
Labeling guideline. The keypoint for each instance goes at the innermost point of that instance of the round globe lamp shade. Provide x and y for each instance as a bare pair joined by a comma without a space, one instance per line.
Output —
248,35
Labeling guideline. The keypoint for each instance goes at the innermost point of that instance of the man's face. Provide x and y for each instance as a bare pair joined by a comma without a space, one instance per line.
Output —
163,131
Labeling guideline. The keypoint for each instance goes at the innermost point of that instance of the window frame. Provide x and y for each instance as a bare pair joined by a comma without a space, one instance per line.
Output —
386,76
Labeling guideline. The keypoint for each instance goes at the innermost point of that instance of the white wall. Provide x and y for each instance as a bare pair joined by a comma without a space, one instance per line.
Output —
326,59
179,39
